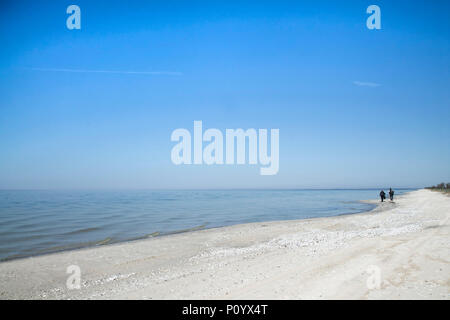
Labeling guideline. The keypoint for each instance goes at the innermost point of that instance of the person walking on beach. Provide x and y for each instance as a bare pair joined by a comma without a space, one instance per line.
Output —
391,194
382,195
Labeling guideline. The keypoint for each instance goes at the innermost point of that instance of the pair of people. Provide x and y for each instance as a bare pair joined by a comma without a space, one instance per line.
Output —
383,195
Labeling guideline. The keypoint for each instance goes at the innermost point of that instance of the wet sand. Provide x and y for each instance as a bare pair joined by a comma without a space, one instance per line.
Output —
400,250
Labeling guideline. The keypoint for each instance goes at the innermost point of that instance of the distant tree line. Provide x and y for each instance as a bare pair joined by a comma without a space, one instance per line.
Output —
441,186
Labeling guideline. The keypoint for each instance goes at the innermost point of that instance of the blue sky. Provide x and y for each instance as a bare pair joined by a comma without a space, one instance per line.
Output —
299,66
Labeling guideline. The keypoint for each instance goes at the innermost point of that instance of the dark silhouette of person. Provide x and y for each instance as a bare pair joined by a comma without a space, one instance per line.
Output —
382,195
391,194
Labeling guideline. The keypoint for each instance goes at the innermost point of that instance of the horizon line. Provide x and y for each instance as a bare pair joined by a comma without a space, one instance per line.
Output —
200,189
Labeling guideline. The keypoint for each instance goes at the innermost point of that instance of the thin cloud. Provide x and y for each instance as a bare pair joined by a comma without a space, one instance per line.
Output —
366,84
167,73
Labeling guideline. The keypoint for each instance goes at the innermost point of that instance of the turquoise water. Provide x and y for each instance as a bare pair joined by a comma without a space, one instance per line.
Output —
37,222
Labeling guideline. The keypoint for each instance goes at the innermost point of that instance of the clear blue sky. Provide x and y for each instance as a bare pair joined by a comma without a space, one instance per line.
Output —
290,65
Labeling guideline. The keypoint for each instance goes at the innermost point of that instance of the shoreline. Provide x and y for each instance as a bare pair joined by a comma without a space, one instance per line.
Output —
107,241
289,259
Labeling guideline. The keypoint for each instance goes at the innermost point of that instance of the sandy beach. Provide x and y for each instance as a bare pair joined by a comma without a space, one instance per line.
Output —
400,250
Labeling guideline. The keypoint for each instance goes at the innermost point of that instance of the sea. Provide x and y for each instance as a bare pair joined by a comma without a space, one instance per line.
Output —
35,222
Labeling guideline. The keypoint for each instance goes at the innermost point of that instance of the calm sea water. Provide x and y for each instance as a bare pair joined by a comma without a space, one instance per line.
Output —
37,222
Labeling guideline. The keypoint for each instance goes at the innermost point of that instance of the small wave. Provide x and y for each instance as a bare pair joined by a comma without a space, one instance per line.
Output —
104,241
189,229
82,231
153,234
54,249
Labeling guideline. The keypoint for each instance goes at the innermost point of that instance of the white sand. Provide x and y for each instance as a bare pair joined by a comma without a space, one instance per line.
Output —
338,258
